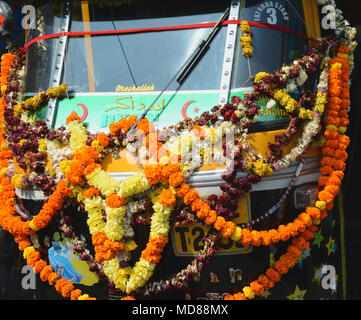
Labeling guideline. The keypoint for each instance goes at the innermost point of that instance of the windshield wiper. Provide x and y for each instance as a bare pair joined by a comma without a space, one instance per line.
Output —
189,65
201,50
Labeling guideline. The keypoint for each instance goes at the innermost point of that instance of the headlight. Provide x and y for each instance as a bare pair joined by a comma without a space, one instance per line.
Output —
305,196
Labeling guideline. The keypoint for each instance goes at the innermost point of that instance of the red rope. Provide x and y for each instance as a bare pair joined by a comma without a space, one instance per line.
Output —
157,29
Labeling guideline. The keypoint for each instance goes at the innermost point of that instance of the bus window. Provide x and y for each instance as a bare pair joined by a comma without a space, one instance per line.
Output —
272,48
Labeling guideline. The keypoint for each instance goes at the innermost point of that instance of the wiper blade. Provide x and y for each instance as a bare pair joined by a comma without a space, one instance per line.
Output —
201,50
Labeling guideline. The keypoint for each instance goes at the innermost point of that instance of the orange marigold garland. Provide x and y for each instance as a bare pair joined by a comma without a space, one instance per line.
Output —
332,167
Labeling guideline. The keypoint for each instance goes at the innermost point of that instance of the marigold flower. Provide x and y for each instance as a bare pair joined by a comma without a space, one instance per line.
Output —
89,169
86,155
246,238
281,267
39,265
72,117
91,192
75,294
114,128
176,179
314,213
219,223
211,218
191,196
203,212
167,198
103,139
228,229
257,288
115,201
183,190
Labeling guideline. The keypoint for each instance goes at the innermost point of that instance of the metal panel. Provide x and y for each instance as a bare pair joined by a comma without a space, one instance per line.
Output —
229,52
59,63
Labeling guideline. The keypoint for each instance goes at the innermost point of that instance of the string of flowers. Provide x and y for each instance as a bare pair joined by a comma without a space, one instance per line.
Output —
246,39
332,167
76,172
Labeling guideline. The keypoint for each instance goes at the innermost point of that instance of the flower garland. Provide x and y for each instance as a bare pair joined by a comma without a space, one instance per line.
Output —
76,171
246,39
23,229
332,169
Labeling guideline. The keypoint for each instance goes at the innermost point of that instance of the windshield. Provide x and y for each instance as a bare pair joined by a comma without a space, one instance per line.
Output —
150,59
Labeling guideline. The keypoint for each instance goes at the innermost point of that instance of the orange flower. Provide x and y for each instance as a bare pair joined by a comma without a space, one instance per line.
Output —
167,198
53,277
183,190
281,267
212,217
314,213
132,119
176,179
39,265
86,155
219,223
191,196
114,127
334,190
228,229
239,296
115,201
75,294
145,126
273,275
246,238
153,173
203,212
91,192
257,288
265,282
256,238
72,117
45,273
197,204
66,290
89,169
154,248
294,251
124,124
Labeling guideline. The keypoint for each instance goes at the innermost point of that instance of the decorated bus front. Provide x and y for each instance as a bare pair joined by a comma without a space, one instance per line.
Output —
189,139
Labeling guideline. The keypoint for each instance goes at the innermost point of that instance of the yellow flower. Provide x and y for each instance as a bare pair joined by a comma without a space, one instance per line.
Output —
64,165
130,246
42,146
248,293
28,251
160,220
97,146
33,226
262,169
94,208
17,181
103,182
114,226
321,205
259,76
141,273
237,234
78,136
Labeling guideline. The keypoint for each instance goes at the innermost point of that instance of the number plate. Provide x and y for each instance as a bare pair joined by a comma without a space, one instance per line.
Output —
187,240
